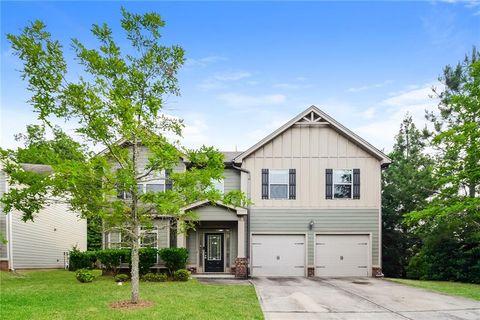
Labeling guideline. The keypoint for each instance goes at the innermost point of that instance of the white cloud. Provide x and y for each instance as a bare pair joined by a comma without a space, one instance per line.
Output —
196,131
292,85
369,86
203,62
368,113
391,111
258,134
238,100
219,80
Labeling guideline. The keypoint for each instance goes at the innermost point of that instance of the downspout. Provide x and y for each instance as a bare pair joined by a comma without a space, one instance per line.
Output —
248,211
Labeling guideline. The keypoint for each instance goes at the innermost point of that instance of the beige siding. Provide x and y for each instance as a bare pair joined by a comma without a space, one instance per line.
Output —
42,243
232,180
325,221
311,150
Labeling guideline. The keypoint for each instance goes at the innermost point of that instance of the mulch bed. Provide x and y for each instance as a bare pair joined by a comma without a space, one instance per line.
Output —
125,305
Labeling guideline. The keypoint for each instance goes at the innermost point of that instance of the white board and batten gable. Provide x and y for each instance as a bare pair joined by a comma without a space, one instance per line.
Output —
310,143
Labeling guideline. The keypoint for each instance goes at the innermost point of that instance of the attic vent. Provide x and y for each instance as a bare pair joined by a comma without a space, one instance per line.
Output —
312,117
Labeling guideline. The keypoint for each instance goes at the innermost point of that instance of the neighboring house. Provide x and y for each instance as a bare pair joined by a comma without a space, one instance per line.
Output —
43,242
316,193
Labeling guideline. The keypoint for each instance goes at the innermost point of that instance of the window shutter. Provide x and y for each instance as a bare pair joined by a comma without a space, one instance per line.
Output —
292,184
264,183
168,181
328,183
356,184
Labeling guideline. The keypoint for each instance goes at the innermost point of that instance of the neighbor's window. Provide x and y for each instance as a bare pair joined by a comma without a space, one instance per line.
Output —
278,184
219,185
342,184
151,187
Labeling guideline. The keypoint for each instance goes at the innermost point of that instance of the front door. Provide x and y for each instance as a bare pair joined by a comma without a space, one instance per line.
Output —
214,252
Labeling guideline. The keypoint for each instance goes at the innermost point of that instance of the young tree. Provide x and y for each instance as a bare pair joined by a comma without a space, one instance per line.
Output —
450,224
406,186
117,104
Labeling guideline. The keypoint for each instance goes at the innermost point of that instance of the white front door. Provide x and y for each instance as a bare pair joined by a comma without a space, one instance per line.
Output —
342,255
278,255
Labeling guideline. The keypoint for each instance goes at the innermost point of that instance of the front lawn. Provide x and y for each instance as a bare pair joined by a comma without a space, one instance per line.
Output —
466,290
58,295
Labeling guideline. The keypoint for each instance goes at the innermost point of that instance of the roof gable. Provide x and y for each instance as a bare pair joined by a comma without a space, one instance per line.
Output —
313,116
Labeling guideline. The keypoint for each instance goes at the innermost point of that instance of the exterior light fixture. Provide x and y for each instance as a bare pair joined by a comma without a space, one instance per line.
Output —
310,225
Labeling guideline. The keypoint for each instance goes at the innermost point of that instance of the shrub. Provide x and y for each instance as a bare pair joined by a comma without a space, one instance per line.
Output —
84,275
155,277
81,260
112,258
181,275
147,256
174,258
121,277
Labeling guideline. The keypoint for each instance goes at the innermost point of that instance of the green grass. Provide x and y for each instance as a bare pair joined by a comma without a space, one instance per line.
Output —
466,290
58,295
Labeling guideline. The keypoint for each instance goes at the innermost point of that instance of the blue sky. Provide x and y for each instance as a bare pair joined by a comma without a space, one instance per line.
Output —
253,66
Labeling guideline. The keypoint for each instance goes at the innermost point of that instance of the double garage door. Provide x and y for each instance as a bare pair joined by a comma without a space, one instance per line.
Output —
285,255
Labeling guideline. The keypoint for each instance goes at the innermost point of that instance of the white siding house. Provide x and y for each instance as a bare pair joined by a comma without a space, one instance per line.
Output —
40,243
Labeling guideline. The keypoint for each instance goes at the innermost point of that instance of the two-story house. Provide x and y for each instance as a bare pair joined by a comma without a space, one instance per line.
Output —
316,193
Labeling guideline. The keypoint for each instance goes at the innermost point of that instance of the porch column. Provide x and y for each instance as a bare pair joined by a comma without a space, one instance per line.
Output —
241,237
181,237
241,262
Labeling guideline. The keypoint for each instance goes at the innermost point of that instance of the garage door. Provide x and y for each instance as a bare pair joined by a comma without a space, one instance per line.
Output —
278,255
342,255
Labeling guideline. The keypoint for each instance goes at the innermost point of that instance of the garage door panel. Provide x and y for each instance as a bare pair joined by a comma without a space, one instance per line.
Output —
341,255
278,255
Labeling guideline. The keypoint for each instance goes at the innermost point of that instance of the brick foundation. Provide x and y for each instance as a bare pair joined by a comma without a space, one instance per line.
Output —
241,268
4,265
377,272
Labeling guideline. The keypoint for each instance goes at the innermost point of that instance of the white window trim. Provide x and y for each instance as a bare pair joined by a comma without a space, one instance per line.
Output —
287,184
343,184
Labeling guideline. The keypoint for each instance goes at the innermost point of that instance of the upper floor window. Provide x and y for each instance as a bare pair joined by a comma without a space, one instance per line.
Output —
278,184
342,184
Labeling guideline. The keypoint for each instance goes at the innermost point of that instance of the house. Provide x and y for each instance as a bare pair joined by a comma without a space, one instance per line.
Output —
316,192
41,243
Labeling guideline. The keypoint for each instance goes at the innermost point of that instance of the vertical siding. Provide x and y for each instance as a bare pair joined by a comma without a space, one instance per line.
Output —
310,150
41,244
325,220
231,180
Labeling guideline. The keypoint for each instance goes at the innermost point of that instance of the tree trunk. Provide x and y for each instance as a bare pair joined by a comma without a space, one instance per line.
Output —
135,274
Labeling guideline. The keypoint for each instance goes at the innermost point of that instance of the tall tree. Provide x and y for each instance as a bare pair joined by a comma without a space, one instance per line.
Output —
450,224
117,103
406,186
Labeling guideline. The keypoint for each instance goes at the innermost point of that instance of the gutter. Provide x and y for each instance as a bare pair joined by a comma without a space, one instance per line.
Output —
248,211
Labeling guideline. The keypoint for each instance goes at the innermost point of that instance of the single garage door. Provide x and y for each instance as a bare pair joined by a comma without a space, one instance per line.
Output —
342,255
278,255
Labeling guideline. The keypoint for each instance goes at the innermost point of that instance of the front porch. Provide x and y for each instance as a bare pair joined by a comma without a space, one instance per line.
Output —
217,245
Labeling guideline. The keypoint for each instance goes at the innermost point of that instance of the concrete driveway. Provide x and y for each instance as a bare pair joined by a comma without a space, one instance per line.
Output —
357,298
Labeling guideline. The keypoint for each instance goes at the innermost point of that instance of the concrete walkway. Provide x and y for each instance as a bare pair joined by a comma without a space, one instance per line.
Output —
359,299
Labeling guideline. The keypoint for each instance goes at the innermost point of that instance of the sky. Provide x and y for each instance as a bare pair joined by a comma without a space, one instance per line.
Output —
252,66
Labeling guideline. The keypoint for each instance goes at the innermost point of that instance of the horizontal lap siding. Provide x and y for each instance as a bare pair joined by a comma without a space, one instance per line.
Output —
41,244
325,220
3,218
231,180
215,213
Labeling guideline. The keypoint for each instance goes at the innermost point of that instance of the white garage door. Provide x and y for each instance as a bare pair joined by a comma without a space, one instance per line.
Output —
342,255
278,255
